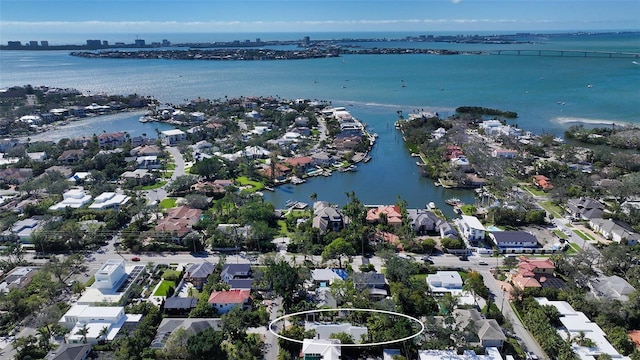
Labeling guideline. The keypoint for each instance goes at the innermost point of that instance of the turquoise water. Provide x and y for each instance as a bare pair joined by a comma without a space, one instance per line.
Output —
548,93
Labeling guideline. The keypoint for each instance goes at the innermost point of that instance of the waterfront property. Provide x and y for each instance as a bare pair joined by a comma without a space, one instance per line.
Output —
172,137
472,229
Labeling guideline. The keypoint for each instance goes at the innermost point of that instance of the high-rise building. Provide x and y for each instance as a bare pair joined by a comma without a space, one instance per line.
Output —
139,42
306,41
166,42
33,43
105,43
44,43
14,44
94,43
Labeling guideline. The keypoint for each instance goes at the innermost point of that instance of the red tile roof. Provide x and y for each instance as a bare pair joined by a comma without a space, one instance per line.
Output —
229,297
542,181
392,212
299,161
179,220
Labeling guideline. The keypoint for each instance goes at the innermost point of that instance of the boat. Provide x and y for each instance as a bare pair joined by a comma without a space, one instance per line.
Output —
269,188
367,159
431,205
297,180
453,201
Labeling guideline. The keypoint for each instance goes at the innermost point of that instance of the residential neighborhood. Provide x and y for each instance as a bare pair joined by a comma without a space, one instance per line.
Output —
165,247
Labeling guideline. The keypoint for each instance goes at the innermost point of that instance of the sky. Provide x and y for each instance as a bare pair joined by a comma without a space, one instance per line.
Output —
21,18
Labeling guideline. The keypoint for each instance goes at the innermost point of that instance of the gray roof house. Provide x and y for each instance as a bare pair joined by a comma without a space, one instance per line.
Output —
197,274
513,239
235,271
179,305
327,218
423,221
615,230
611,287
373,281
447,230
585,208
70,352
488,330
191,325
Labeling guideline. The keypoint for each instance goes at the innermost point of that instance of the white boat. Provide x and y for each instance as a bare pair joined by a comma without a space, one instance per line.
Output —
431,205
453,201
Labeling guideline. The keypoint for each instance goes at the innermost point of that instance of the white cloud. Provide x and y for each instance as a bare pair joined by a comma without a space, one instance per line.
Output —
456,1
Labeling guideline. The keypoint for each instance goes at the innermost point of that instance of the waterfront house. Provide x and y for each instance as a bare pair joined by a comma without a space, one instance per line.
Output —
327,218
513,239
491,353
542,182
423,221
223,301
172,137
386,214
322,159
472,229
447,230
148,162
300,163
111,140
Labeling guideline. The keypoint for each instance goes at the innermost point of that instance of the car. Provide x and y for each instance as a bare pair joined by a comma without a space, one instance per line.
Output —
482,263
135,258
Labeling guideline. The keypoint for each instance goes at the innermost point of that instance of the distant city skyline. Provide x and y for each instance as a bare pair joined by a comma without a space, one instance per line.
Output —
21,18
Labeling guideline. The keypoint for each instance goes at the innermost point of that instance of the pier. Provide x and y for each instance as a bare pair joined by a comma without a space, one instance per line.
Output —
566,53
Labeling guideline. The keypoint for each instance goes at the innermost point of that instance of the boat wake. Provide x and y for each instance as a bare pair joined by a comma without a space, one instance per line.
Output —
576,120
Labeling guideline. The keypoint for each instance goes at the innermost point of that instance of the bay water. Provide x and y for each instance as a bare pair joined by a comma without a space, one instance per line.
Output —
548,93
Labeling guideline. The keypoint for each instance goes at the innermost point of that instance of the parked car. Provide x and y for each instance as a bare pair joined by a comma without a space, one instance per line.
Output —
482,262
135,258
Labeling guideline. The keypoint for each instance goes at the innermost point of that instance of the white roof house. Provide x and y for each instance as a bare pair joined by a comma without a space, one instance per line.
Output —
110,274
101,322
575,322
324,277
472,228
74,198
172,137
324,331
324,349
445,281
109,200
491,353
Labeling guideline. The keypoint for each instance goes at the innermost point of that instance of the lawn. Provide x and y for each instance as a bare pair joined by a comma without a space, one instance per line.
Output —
244,181
159,184
583,236
168,203
90,282
560,234
552,208
534,191
164,288
573,249
283,228
170,274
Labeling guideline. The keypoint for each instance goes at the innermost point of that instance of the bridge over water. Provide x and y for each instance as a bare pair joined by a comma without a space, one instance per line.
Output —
566,53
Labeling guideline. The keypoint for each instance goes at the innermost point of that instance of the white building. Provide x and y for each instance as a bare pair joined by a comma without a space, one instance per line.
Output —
74,198
574,323
324,331
444,281
472,228
110,274
321,349
172,137
100,322
109,200
491,353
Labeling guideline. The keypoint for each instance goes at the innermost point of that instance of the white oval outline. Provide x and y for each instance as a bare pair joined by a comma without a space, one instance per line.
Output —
286,316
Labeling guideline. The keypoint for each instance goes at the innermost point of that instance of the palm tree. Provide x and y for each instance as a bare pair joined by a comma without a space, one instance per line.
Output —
102,335
83,332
